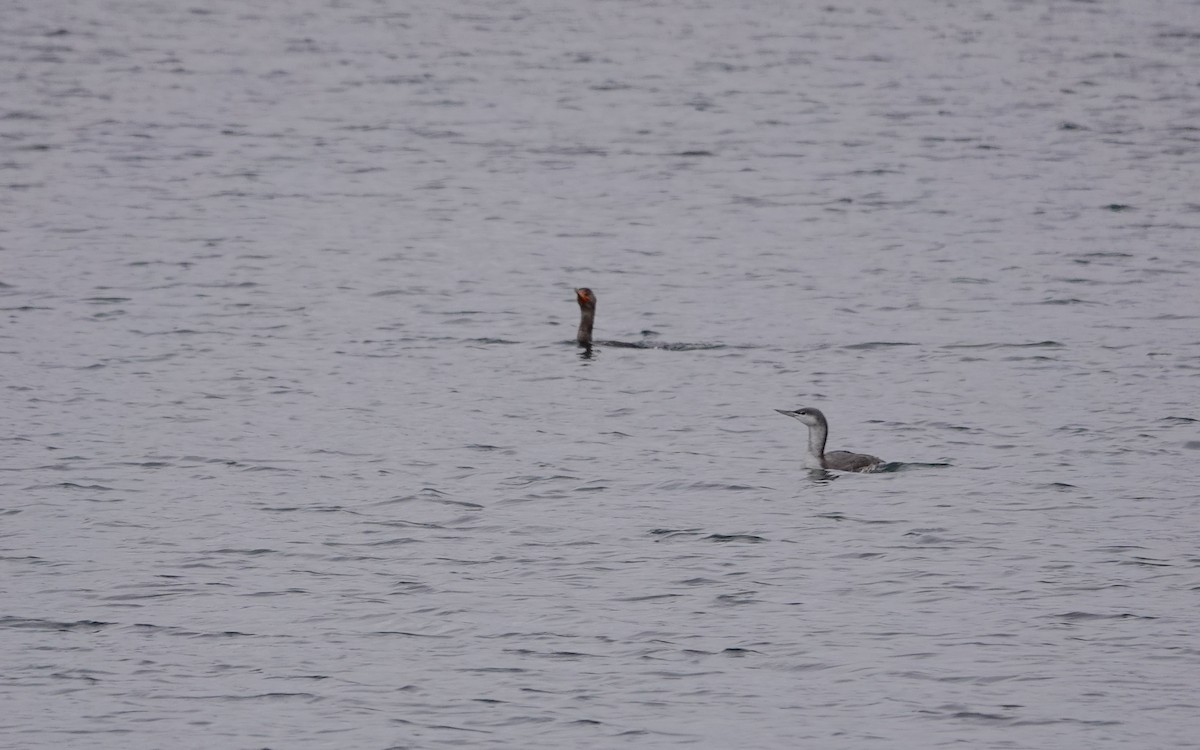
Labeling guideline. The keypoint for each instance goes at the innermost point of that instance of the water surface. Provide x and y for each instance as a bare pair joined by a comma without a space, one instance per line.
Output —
300,455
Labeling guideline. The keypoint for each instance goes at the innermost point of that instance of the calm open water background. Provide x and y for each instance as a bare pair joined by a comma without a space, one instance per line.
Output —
298,453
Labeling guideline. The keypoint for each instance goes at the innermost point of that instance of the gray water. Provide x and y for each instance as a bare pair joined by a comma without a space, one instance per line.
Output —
299,453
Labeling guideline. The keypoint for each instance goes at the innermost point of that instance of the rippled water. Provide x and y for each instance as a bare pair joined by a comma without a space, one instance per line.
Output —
300,453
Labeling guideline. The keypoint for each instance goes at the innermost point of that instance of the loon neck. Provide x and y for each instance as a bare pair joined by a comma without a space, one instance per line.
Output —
587,317
817,434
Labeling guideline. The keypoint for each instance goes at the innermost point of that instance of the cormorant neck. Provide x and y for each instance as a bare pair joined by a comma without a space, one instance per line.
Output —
587,316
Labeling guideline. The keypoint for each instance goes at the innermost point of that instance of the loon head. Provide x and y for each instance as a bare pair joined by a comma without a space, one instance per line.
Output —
806,414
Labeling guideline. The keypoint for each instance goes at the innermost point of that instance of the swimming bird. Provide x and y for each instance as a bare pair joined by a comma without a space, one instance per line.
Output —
817,458
587,315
